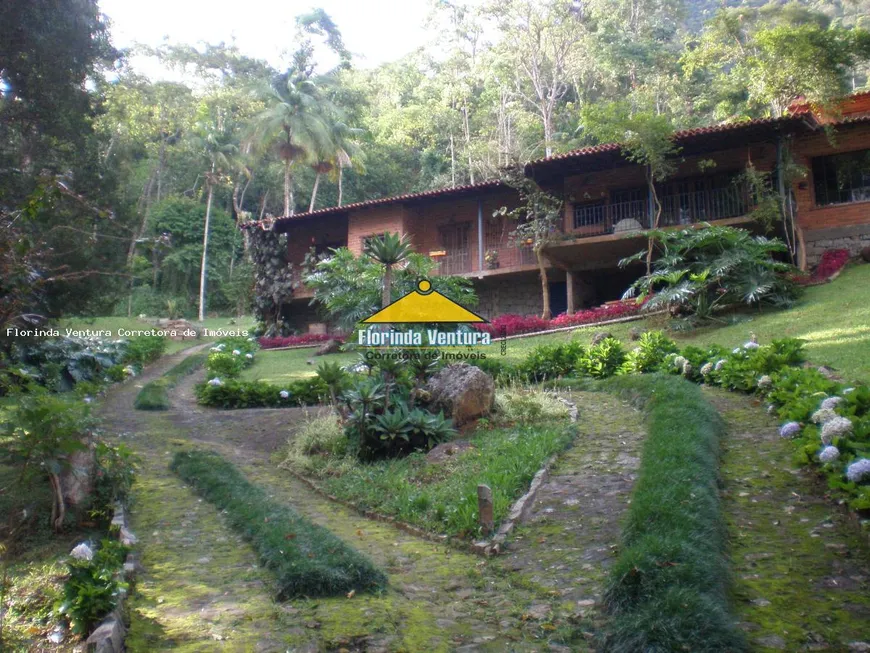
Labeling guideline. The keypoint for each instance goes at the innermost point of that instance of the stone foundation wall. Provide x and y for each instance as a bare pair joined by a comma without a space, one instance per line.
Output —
521,296
853,238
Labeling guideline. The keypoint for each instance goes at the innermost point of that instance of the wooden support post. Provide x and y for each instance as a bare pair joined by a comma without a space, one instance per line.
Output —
479,236
569,284
484,509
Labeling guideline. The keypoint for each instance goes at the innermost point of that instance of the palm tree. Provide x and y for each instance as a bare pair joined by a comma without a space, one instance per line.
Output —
294,123
340,152
210,139
389,250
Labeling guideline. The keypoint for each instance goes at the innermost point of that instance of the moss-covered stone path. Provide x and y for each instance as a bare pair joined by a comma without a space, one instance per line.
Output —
801,567
202,589
568,540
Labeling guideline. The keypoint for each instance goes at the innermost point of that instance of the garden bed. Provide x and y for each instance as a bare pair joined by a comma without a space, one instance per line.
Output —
441,497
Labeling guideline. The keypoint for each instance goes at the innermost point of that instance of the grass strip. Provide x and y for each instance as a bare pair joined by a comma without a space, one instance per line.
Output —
307,559
668,589
155,394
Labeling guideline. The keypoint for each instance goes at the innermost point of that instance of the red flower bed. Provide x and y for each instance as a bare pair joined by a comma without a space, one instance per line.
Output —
832,262
514,324
295,341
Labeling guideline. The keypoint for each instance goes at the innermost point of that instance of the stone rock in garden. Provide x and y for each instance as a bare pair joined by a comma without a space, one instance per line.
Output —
634,333
76,479
180,327
599,336
328,347
865,254
462,391
108,637
447,450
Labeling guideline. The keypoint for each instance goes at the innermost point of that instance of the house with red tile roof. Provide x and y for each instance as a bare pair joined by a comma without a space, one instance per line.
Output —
607,208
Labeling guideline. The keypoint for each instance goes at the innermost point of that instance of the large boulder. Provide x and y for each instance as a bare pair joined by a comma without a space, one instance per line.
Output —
462,391
329,347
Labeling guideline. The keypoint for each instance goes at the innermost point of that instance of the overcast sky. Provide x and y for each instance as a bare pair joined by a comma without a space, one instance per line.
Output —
375,31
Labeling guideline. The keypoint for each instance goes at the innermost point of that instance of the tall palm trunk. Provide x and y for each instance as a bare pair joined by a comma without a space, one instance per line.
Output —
545,284
205,250
288,187
314,192
388,284
340,175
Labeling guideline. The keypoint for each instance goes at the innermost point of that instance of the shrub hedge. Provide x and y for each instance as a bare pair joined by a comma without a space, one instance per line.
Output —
668,589
234,393
307,559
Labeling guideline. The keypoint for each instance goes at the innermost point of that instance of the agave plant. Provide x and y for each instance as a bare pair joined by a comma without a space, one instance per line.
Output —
701,270
333,376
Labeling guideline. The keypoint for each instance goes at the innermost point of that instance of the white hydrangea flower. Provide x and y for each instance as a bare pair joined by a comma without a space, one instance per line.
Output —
687,368
789,429
823,415
82,552
130,370
706,368
848,390
737,350
680,362
719,364
831,403
835,428
249,356
751,345
284,394
216,382
236,352
829,454
858,470
765,382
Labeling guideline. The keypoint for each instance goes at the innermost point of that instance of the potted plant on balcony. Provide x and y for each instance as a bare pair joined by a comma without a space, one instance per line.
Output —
491,259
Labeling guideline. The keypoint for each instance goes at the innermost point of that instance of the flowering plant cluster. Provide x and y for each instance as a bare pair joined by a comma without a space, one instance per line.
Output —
228,357
832,262
510,325
295,341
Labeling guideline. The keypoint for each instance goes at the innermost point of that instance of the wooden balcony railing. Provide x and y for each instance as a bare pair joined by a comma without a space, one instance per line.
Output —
677,209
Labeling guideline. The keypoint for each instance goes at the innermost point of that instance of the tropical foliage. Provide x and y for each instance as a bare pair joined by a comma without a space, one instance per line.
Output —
350,288
699,271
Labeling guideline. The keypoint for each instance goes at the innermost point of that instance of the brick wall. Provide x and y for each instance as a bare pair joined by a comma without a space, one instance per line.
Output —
811,217
838,226
374,221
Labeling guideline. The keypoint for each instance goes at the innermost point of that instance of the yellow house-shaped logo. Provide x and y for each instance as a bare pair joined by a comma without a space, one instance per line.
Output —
424,305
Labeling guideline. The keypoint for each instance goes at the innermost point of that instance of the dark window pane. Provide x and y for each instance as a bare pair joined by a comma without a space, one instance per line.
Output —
842,178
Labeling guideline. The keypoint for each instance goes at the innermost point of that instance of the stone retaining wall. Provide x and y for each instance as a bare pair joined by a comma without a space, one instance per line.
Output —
853,238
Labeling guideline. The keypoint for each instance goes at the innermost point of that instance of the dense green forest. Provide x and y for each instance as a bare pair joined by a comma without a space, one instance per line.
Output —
108,180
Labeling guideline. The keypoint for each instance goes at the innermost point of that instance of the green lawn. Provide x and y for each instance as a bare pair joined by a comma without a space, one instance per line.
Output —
277,367
833,318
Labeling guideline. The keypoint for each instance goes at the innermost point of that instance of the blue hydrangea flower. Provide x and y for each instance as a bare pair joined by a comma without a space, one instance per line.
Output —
858,470
789,429
829,454
835,428
831,403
